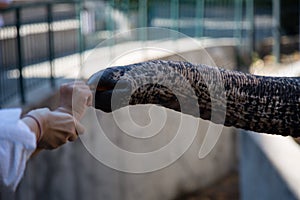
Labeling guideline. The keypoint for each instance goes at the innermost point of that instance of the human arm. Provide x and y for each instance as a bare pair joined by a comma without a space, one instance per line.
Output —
19,139
41,127
17,143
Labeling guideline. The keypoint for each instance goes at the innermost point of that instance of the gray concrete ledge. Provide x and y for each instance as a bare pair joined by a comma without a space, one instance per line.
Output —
269,167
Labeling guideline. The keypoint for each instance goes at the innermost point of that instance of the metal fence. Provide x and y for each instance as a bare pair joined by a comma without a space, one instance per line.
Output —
36,34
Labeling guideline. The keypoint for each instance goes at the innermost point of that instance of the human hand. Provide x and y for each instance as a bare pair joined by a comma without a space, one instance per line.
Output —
55,127
74,98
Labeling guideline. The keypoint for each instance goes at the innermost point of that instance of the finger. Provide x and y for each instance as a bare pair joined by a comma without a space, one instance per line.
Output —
79,128
37,151
64,110
79,82
60,139
80,104
66,87
87,94
82,89
82,97
89,101
73,137
88,98
44,145
79,111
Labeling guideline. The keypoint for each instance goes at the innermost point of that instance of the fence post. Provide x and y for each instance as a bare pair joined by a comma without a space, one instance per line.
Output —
251,26
20,56
143,18
238,12
50,43
78,7
200,18
126,6
276,29
174,14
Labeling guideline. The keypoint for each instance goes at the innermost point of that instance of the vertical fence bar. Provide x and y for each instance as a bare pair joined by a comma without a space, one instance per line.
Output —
238,12
110,26
276,29
20,56
174,14
143,18
251,27
51,43
126,7
78,8
111,20
199,18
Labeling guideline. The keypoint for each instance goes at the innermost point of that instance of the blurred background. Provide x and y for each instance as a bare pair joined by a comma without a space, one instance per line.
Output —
46,43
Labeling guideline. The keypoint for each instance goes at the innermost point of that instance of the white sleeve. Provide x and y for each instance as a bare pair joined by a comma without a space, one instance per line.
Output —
17,143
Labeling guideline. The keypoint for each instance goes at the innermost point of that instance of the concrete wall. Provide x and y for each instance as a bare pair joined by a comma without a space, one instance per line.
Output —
269,166
71,172
259,177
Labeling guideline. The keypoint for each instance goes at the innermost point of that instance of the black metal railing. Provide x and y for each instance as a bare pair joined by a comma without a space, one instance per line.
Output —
33,36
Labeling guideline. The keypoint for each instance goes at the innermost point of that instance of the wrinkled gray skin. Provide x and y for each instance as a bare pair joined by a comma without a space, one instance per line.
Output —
257,103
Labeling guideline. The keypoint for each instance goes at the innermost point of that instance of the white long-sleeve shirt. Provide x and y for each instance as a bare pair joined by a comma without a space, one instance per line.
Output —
1,18
17,143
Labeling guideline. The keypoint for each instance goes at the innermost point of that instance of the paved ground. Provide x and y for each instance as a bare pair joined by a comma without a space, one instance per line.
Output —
224,189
